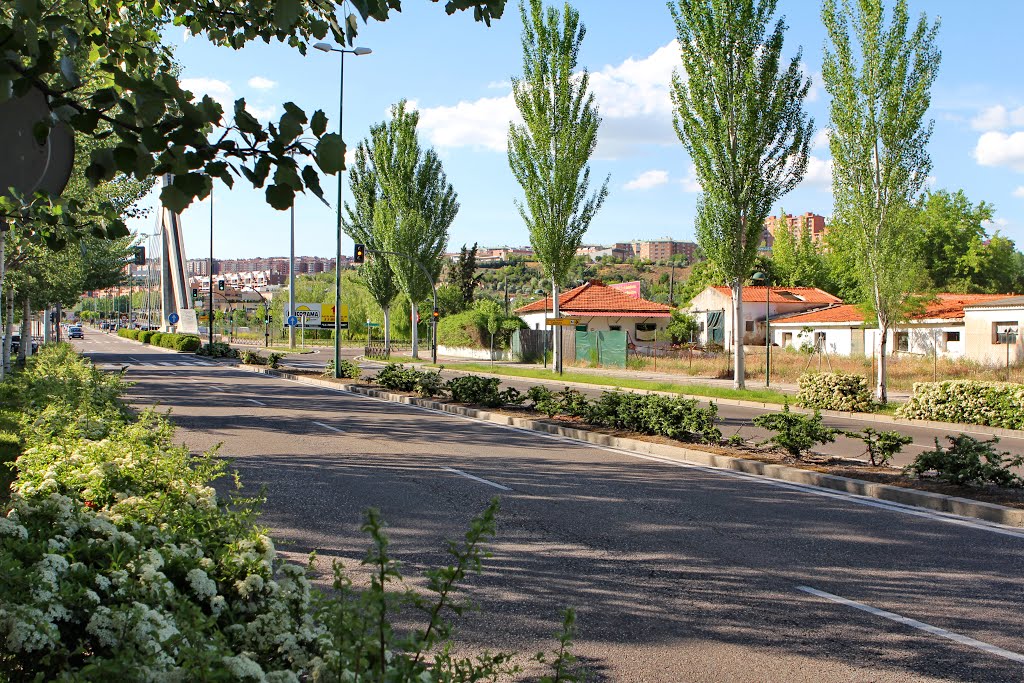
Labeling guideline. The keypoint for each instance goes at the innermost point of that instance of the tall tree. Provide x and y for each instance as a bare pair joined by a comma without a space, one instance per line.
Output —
366,227
738,111
549,153
880,80
416,207
462,274
797,260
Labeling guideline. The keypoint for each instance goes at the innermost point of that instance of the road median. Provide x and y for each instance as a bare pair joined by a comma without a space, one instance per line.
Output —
923,499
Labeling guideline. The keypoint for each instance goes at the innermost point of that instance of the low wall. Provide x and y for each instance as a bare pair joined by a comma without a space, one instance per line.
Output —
470,352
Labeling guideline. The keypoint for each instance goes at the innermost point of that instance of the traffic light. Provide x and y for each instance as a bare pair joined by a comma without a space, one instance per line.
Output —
436,315
195,292
140,255
360,255
220,285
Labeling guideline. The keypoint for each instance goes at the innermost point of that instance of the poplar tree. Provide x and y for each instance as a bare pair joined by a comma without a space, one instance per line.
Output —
365,227
415,208
549,152
738,111
880,80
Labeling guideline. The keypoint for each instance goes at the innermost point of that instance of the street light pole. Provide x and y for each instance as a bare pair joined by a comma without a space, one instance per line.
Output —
209,321
291,286
359,51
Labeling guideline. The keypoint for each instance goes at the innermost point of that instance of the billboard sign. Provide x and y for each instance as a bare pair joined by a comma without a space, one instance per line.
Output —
628,288
327,317
308,314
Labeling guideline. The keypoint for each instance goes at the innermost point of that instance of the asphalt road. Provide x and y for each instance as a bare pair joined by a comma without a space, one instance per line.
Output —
678,573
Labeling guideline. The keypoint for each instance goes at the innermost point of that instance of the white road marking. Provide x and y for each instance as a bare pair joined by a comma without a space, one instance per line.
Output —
333,429
936,516
134,359
907,621
470,476
259,403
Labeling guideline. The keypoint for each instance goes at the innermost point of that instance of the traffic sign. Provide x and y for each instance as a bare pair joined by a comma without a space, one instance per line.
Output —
369,324
173,318
293,321
560,322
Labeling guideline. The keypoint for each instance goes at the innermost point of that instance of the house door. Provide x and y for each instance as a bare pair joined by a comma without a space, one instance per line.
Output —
856,341
716,327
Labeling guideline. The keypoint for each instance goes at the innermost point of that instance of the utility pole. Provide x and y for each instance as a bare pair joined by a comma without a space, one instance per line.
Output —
209,322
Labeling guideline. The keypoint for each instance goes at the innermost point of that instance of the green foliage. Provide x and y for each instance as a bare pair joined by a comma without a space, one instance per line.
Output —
795,433
155,338
993,404
348,369
511,396
969,462
881,446
477,390
543,400
879,143
472,328
549,153
187,343
126,333
704,274
271,360
463,276
682,327
834,391
797,260
146,336
218,350
573,402
676,418
397,377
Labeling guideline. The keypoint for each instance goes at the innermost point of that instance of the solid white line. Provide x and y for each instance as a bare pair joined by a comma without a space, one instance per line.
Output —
166,364
259,403
333,429
945,517
907,621
134,359
470,476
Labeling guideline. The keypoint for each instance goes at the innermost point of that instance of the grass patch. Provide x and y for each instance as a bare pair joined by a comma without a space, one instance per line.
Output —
760,395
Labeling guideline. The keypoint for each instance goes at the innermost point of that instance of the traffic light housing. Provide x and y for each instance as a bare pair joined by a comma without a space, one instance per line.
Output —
195,292
139,255
220,285
436,315
360,254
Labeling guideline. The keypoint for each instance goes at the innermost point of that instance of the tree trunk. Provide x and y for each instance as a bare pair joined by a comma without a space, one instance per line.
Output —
881,393
556,355
25,348
4,337
8,331
387,331
739,376
413,315
46,324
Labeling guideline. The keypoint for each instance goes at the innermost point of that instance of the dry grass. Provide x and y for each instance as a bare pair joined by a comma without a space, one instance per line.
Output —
787,366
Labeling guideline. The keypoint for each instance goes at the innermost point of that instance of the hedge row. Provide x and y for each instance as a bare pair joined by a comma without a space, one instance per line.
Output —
834,391
188,343
993,404
121,562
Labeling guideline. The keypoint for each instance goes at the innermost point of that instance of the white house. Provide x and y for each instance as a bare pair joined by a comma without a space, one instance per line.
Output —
993,330
601,308
713,310
841,329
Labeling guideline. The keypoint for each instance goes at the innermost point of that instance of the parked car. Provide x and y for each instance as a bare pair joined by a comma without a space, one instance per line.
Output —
16,343
75,332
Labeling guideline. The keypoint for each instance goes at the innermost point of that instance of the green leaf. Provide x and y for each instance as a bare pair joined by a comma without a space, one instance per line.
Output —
319,123
67,70
280,196
174,199
286,13
330,154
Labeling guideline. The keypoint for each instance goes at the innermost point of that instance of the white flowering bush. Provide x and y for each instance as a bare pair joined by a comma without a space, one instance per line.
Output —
994,404
834,391
120,562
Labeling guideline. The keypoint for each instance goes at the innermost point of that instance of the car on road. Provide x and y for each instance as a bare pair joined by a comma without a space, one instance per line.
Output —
75,332
16,344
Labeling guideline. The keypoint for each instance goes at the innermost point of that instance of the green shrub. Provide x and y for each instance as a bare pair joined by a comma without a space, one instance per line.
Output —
969,462
573,402
511,396
795,433
155,338
187,343
349,369
217,350
274,359
474,389
994,404
429,383
127,333
881,446
397,377
834,391
145,336
674,417
543,400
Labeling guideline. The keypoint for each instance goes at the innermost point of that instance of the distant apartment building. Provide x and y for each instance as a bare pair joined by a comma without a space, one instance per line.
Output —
198,266
304,265
796,225
497,254
619,250
663,250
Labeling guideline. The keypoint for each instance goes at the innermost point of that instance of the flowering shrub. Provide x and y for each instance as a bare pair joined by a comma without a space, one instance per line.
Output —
834,391
120,561
994,404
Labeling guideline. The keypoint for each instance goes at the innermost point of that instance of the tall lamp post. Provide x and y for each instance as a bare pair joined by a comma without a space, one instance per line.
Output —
763,277
359,51
291,287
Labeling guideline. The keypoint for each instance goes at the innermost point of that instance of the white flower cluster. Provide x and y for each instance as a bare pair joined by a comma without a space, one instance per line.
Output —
994,404
834,391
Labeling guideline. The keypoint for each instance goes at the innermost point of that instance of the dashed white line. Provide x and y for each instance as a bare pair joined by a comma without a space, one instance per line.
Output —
259,403
333,429
914,623
470,476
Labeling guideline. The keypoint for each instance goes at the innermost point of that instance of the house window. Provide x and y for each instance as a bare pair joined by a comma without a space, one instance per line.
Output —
615,328
787,338
645,331
750,326
1004,333
952,337
903,341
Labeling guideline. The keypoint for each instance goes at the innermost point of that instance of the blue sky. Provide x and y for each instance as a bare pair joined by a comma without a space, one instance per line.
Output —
457,73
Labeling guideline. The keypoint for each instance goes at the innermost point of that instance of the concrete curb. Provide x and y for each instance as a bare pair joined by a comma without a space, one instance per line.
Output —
950,427
932,501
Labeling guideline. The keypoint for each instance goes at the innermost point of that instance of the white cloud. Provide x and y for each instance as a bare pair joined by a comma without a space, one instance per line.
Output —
499,85
264,114
995,148
633,97
1019,192
997,118
820,139
690,182
647,180
819,173
218,90
261,83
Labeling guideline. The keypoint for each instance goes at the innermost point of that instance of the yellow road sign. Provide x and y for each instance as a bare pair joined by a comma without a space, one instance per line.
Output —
560,322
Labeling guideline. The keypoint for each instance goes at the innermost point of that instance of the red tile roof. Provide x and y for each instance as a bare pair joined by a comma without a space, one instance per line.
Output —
810,295
598,299
944,306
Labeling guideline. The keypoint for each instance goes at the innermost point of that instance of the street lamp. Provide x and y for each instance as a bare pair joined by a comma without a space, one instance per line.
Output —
763,277
358,52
